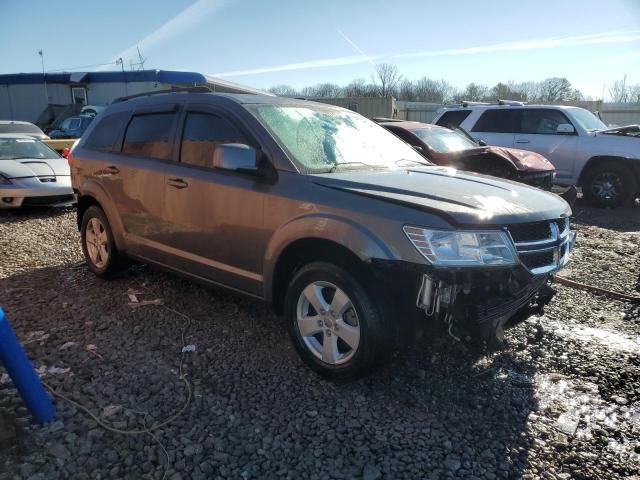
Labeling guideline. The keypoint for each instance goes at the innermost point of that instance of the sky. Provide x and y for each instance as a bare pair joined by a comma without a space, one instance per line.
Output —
299,43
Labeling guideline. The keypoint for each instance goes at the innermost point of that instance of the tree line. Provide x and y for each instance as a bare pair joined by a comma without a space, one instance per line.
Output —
387,81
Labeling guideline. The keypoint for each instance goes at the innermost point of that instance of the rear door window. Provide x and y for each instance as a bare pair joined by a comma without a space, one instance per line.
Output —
149,135
107,133
202,133
498,121
453,118
542,121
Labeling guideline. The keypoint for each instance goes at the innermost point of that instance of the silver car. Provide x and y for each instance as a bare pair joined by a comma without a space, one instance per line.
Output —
31,173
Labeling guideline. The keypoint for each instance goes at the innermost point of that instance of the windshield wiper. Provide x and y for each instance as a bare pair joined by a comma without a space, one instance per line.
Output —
414,162
362,164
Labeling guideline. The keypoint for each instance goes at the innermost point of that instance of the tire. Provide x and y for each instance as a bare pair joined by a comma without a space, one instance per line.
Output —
357,334
609,185
98,245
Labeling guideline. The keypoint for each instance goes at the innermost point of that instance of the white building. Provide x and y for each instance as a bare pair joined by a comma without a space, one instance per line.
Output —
46,99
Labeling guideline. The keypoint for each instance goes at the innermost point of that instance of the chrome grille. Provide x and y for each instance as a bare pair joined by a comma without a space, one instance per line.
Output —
543,247
530,232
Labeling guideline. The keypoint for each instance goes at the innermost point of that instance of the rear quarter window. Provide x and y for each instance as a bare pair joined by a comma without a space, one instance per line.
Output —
107,133
149,135
498,121
453,119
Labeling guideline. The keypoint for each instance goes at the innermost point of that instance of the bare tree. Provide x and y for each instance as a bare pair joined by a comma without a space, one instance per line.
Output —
407,91
634,93
388,77
434,91
284,91
526,91
475,92
359,88
619,92
323,90
556,90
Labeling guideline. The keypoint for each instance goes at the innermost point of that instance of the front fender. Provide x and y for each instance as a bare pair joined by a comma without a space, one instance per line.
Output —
93,189
355,237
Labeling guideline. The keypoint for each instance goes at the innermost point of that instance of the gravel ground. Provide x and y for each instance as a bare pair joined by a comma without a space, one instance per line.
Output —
562,401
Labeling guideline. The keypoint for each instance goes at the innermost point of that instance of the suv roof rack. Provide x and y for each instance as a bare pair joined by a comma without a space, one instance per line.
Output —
199,89
511,102
384,119
466,103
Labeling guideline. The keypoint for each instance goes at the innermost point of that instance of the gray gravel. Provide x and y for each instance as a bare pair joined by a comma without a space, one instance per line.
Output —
562,401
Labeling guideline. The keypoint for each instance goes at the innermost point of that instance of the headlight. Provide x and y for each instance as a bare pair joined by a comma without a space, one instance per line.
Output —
458,248
4,180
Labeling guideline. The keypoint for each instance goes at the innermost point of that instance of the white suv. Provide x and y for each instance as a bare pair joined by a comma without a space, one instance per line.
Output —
604,162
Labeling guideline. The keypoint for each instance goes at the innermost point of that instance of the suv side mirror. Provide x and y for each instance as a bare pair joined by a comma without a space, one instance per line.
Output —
417,148
565,129
482,143
237,157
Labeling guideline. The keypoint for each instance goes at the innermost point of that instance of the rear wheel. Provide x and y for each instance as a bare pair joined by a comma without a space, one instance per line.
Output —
334,322
609,185
98,245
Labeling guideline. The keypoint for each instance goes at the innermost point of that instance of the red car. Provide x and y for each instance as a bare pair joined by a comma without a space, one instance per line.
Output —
457,149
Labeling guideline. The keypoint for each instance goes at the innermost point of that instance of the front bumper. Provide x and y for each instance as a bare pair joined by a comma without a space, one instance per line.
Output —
471,305
542,180
50,191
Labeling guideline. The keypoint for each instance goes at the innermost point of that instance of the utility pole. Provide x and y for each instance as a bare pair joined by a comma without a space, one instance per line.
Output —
44,78
142,60
126,87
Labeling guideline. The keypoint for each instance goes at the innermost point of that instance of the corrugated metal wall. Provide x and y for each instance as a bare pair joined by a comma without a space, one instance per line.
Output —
417,111
620,113
28,101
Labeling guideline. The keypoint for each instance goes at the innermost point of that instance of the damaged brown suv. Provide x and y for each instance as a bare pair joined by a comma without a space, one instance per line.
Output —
341,226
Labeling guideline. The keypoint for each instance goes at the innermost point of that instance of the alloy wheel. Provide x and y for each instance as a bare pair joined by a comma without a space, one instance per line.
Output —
607,185
328,323
97,242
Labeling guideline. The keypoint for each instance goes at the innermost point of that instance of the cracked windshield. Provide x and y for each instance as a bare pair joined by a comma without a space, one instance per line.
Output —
327,140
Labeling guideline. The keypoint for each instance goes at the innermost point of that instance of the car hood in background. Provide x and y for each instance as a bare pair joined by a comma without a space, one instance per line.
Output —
34,167
462,198
523,160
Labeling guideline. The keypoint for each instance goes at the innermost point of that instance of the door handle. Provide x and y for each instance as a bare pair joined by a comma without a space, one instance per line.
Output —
523,140
177,183
110,170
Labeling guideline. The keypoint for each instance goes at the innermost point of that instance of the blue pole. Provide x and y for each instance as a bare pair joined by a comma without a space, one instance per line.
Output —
24,377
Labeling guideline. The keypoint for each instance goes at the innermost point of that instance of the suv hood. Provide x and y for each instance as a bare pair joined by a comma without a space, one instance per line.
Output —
628,131
462,198
34,167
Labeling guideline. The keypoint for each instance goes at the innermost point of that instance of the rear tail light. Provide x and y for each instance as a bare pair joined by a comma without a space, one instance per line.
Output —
65,152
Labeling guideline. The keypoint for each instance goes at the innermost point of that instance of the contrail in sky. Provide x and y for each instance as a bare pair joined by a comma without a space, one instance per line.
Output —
357,48
539,44
193,14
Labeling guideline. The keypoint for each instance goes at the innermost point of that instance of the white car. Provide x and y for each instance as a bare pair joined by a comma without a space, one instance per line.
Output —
32,174
586,153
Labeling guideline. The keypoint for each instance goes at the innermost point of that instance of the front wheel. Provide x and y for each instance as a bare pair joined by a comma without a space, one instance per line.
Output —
609,185
334,322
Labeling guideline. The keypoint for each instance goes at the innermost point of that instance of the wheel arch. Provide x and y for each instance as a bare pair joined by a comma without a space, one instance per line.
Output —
94,194
300,242
632,164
